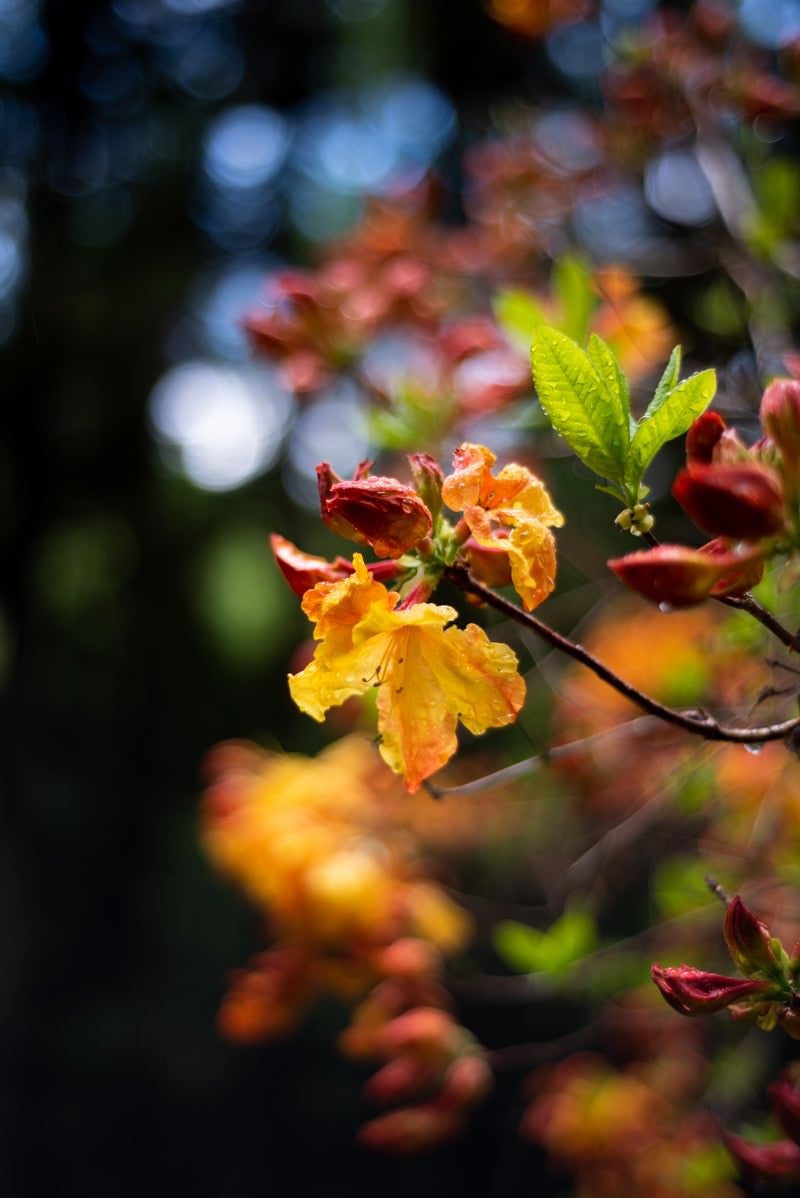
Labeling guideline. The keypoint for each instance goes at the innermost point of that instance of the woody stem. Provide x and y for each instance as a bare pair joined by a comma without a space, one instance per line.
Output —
698,723
750,604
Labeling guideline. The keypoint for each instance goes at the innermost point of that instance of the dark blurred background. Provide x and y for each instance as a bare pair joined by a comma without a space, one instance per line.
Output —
158,157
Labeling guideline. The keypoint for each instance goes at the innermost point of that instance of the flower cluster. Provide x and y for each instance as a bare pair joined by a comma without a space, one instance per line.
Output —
312,844
430,675
747,498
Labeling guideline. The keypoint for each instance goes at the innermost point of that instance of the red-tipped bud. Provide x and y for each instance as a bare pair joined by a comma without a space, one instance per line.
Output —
702,436
785,1100
748,939
428,478
747,568
303,570
743,502
780,417
677,576
766,1162
695,992
380,512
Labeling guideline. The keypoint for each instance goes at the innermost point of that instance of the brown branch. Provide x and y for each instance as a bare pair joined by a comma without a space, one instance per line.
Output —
753,608
698,723
750,604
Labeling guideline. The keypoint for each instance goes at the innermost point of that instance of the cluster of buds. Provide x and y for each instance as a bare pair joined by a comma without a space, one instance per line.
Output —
768,991
748,499
431,1066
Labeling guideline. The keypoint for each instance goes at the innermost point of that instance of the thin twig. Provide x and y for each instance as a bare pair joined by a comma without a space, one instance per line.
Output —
698,723
641,726
750,604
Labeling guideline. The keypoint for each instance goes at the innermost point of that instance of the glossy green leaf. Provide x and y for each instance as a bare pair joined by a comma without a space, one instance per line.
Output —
669,414
610,373
584,408
668,381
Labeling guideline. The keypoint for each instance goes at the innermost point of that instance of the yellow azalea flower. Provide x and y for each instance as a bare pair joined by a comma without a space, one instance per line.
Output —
511,511
428,676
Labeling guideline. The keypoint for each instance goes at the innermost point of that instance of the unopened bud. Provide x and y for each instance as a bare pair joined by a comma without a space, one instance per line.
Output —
778,1162
785,1101
703,436
636,520
748,939
677,576
428,478
696,992
780,417
380,512
742,502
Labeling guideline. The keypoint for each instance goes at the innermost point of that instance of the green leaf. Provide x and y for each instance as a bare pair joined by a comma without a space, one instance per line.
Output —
518,313
528,950
609,371
518,945
667,382
579,404
671,416
572,287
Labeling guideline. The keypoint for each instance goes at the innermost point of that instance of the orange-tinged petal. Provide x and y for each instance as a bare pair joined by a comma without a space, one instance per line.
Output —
340,605
514,500
470,479
478,676
532,553
433,678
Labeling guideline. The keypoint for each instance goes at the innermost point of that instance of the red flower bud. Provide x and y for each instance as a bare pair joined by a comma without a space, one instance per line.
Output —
428,478
780,416
380,512
695,992
678,576
766,1162
785,1100
702,436
746,573
743,502
748,939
